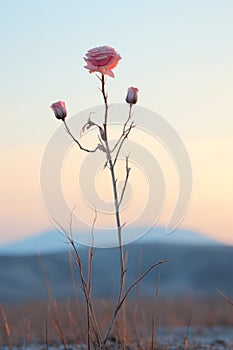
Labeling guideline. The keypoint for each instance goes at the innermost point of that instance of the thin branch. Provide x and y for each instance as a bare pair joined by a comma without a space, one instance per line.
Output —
91,252
122,142
88,299
101,145
56,321
86,294
105,97
71,221
138,280
6,327
126,180
89,124
124,131
129,117
154,314
116,202
72,275
225,296
78,143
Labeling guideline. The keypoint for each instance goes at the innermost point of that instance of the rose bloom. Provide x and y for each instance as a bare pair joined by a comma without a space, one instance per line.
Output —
132,95
102,59
59,109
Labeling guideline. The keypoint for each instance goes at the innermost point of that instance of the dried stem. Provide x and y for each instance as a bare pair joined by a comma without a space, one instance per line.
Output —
138,280
6,327
27,334
46,331
122,300
89,304
105,97
153,320
116,202
85,285
91,252
137,301
122,140
126,179
56,320
77,142
110,163
124,135
124,131
225,297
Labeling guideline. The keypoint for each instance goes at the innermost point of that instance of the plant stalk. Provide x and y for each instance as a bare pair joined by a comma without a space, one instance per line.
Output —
117,213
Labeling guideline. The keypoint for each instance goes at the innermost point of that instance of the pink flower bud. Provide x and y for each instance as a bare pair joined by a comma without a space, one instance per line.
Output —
59,109
132,95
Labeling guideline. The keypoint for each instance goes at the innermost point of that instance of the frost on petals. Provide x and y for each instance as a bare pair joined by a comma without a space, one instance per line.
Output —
59,109
102,59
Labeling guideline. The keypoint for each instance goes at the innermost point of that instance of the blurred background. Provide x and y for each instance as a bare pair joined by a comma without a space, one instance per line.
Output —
179,54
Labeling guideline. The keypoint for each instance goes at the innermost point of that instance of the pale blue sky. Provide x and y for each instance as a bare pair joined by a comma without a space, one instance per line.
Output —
178,52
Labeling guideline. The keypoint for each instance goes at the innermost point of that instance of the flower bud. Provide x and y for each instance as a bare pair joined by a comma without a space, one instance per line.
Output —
59,109
132,95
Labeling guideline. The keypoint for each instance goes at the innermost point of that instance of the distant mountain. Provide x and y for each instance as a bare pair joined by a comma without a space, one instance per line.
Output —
179,236
191,269
53,241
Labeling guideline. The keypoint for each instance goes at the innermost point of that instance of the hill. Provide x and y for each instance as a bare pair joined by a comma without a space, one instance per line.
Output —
53,241
200,269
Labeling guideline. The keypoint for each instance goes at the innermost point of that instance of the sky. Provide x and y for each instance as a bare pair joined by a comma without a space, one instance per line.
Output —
178,53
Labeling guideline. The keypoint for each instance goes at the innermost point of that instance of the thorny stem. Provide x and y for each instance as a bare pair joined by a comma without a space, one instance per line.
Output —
104,146
116,201
117,213
105,97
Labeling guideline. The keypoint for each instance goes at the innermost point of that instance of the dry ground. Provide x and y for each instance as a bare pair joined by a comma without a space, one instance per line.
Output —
41,322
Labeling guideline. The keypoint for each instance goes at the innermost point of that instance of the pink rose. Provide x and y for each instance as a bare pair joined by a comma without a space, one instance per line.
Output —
102,59
132,95
59,109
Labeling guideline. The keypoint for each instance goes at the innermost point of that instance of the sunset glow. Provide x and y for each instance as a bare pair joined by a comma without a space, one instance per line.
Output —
181,61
